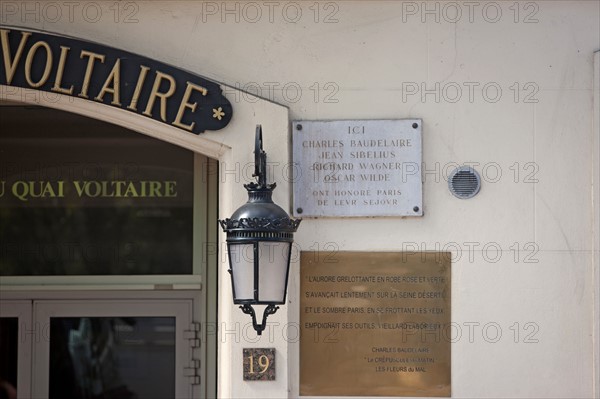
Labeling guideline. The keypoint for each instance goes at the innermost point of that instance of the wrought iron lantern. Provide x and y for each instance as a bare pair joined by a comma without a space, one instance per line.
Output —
259,242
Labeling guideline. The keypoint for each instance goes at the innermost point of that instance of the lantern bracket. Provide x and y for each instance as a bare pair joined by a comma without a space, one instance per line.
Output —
269,310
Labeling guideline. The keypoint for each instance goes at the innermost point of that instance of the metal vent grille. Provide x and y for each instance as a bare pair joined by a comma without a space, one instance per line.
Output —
464,182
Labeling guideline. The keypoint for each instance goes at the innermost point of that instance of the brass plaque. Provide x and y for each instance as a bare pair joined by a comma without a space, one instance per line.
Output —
375,324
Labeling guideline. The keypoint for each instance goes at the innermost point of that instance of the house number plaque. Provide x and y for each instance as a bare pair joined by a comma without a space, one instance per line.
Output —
259,364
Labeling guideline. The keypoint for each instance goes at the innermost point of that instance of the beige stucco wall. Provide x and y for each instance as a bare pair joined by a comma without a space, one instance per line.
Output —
364,60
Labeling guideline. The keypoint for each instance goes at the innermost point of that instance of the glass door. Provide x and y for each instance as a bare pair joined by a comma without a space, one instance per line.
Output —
16,332
112,349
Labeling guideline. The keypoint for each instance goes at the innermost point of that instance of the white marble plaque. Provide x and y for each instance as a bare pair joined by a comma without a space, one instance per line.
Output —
357,168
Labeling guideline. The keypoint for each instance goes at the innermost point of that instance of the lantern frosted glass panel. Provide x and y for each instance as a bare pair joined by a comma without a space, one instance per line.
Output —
272,270
241,259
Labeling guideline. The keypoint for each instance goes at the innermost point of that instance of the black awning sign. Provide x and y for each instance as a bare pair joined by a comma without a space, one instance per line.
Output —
112,77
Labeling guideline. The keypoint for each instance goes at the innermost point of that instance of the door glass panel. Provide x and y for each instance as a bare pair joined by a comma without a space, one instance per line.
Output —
112,357
9,349
84,197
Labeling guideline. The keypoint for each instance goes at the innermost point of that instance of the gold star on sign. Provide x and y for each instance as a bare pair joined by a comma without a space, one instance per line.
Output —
218,113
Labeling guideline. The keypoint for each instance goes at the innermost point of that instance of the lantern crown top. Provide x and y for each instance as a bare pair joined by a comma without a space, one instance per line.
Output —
260,213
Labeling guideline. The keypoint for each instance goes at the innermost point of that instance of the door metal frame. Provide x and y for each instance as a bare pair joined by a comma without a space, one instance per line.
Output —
22,310
43,310
34,313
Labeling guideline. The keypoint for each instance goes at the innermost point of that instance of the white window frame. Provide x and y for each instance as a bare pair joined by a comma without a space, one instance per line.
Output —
139,282
596,221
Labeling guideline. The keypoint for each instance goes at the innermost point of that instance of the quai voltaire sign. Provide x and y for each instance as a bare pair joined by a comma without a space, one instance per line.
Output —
106,75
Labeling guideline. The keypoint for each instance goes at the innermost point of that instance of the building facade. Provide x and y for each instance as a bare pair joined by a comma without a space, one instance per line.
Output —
124,273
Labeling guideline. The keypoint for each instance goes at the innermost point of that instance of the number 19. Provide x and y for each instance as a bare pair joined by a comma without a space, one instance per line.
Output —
263,362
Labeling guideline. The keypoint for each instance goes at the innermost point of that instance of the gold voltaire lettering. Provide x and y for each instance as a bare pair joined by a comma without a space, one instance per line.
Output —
115,78
88,71
170,190
61,188
107,189
10,65
48,191
138,87
104,191
131,191
155,189
163,96
29,64
185,104
79,186
59,72
20,193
